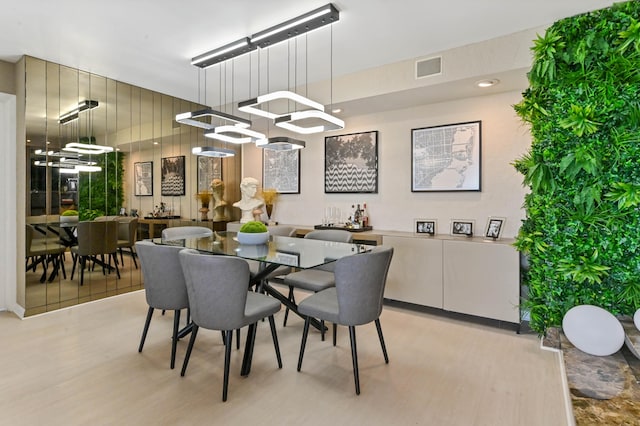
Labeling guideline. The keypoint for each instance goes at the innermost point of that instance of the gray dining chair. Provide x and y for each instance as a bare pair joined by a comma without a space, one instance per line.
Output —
318,278
127,236
219,300
44,251
164,286
178,232
355,300
96,238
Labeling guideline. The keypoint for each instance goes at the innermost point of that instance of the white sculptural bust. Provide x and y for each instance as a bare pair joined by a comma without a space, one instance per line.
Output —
249,204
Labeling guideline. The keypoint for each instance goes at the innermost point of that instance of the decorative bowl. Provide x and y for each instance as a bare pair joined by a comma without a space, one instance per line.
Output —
253,238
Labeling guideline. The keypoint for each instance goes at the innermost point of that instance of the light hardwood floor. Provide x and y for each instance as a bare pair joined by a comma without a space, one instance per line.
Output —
80,366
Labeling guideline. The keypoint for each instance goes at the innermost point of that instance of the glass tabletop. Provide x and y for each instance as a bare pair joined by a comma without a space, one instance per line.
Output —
290,251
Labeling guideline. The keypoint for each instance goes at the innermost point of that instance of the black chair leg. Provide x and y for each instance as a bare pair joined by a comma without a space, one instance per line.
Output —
322,330
227,360
238,339
192,340
121,257
335,333
292,300
133,256
73,269
354,357
305,332
384,347
174,338
146,328
274,336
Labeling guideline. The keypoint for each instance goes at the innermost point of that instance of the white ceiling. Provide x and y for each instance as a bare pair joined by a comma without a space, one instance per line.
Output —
149,43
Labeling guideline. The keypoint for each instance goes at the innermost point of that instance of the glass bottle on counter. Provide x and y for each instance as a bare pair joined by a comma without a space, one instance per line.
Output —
365,216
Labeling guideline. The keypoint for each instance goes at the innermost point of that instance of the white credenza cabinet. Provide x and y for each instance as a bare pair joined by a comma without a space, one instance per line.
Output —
470,276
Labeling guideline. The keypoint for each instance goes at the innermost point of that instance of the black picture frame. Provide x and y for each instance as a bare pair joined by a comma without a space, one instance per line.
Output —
447,157
462,227
425,227
143,179
281,170
172,176
351,163
209,168
494,227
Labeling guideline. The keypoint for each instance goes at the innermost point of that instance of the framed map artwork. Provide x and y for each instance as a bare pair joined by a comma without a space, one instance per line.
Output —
281,170
446,158
209,168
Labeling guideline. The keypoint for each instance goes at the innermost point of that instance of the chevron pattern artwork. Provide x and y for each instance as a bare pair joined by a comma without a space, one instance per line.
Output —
351,163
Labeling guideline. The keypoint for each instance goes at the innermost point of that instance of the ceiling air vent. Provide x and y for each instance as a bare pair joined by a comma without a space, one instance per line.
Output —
429,67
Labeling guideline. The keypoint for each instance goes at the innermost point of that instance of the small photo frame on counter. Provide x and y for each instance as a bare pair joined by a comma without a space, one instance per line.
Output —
462,227
425,227
494,227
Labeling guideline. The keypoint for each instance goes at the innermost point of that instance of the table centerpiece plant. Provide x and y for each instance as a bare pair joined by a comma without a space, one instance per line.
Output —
253,232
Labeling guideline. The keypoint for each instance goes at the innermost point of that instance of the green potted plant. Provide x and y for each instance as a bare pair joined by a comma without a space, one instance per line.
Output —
253,232
69,216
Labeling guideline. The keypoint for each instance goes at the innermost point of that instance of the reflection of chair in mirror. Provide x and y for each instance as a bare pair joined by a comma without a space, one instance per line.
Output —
127,236
44,251
320,277
219,300
164,286
277,275
96,238
178,232
355,300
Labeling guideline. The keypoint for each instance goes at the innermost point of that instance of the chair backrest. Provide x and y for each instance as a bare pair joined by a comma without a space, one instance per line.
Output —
185,231
217,288
106,218
127,229
111,236
337,235
283,231
164,284
360,281
92,237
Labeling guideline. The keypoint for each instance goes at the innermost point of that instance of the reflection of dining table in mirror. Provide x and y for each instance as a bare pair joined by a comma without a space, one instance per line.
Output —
279,251
65,231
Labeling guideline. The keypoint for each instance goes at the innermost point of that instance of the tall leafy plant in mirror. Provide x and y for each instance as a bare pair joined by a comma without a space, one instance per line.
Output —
101,193
582,226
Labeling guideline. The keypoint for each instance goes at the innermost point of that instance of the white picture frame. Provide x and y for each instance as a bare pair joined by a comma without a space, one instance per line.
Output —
495,225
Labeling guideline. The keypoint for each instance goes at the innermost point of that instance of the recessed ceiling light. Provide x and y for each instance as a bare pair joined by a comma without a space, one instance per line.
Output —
336,110
155,143
487,83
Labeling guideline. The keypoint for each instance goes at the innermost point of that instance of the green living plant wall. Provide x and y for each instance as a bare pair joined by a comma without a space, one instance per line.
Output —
100,193
582,226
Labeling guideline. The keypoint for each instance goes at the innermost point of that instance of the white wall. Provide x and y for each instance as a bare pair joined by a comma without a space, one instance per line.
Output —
395,207
8,216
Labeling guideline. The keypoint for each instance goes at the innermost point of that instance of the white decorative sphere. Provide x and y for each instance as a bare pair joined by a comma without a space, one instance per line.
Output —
593,330
636,319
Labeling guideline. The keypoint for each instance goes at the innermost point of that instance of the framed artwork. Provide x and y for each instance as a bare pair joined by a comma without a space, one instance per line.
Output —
462,227
351,163
287,258
425,227
281,170
209,168
143,178
172,176
494,227
446,158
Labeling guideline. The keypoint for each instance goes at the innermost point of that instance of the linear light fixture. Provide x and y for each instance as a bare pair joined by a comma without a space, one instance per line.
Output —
190,119
280,143
287,122
85,168
211,151
231,50
233,134
251,105
74,113
85,148
310,21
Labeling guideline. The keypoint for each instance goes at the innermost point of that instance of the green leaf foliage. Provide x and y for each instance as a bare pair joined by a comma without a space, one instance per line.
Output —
583,168
101,193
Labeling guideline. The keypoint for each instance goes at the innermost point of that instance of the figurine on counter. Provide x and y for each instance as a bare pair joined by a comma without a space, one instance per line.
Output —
219,203
249,204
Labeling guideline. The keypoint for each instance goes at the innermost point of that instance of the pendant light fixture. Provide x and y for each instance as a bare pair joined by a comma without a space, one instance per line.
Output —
210,151
280,143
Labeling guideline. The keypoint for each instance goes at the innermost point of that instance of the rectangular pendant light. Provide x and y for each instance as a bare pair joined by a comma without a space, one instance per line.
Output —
280,143
190,118
74,113
233,134
231,50
211,151
85,148
310,21
251,105
288,122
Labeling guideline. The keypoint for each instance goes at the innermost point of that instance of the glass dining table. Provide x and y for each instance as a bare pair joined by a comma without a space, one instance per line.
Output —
301,253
